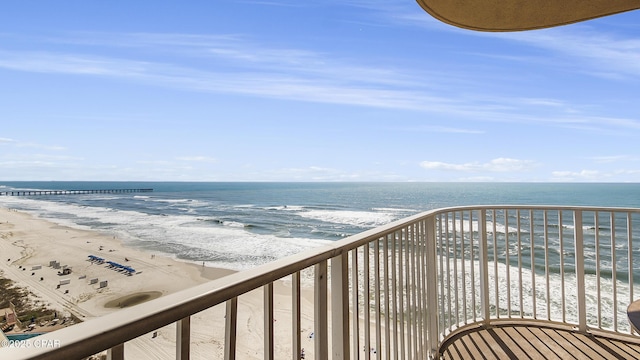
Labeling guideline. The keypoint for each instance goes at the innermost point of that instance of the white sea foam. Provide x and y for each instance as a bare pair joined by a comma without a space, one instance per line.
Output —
467,226
233,224
104,197
356,218
547,305
286,208
229,246
394,210
171,201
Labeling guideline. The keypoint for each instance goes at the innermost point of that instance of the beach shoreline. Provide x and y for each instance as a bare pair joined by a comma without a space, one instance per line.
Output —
30,245
54,262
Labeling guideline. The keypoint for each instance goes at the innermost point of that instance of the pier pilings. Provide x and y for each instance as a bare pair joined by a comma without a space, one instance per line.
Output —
70,192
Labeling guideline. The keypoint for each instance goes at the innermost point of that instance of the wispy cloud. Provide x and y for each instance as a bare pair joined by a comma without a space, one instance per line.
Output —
37,160
603,53
198,159
26,144
584,175
614,159
338,84
79,64
275,3
495,165
585,49
230,63
321,173
332,82
448,129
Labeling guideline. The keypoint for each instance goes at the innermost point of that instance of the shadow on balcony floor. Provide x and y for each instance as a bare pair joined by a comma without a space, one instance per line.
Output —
537,342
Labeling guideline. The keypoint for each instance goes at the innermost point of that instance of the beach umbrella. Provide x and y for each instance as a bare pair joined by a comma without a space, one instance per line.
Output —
517,15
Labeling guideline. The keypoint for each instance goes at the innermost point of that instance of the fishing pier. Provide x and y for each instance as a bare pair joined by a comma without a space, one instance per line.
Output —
70,192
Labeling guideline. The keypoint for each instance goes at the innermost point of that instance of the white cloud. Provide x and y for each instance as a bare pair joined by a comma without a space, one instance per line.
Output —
495,165
25,144
592,51
613,158
201,159
453,130
330,82
236,65
620,175
591,175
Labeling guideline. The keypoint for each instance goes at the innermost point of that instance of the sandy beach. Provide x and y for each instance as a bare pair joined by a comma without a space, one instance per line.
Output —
29,246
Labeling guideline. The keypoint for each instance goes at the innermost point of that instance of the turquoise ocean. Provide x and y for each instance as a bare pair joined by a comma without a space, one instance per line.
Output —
239,225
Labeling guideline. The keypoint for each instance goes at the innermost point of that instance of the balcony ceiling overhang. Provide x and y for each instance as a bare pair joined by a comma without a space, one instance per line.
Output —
517,15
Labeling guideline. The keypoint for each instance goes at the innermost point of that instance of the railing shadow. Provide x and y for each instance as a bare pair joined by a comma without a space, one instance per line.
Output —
532,341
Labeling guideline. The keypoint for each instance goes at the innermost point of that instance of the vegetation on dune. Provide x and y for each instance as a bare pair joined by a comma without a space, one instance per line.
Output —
26,307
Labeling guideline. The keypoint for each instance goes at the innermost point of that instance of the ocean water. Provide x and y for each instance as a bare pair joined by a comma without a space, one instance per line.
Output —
242,225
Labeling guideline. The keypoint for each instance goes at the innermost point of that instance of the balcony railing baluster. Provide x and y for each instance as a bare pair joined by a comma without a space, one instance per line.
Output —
445,259
507,262
394,292
231,323
296,311
116,352
268,321
580,278
562,277
321,333
598,271
433,333
183,338
402,289
367,302
376,289
545,217
534,308
496,288
520,264
340,307
421,228
387,297
614,271
630,256
484,266
456,293
472,257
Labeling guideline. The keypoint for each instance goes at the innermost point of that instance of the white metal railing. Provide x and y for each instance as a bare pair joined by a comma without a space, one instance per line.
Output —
403,288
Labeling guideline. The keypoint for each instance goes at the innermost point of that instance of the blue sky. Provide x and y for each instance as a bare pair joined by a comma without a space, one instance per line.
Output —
310,91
